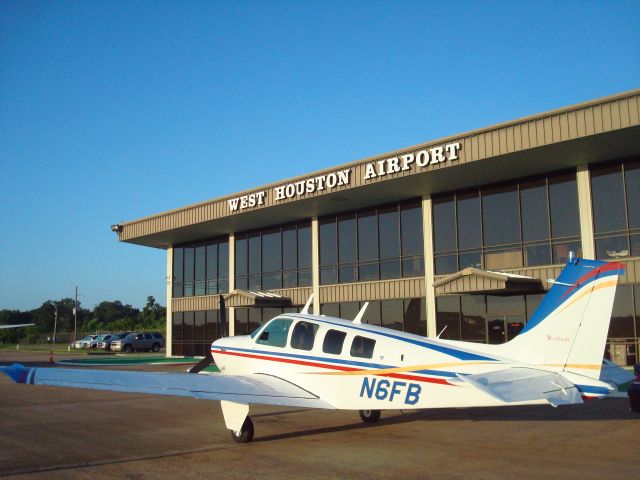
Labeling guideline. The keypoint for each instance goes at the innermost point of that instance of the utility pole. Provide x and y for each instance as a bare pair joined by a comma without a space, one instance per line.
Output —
75,316
55,324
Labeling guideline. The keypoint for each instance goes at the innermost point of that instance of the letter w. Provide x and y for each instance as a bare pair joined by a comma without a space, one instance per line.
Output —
233,204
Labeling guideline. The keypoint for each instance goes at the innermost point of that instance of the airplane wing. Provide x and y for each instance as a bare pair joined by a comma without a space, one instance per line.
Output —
526,384
253,388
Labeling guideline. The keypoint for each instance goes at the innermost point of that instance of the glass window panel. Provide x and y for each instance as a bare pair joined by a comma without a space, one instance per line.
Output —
275,334
468,207
255,253
271,281
411,224
188,331
563,197
255,282
535,210
290,248
199,332
290,279
507,305
178,264
211,326
241,323
178,290
474,320
304,278
560,251
446,264
212,261
472,259
303,335
255,319
621,325
415,320
362,347
223,267
532,303
304,246
368,272
500,215
448,317
188,289
444,224
612,247
328,275
390,269
272,251
607,195
389,225
367,236
271,312
200,266
632,181
347,274
242,258
188,264
413,267
242,283
176,329
330,309
333,341
349,310
392,314
537,255
328,242
347,239
634,240
372,314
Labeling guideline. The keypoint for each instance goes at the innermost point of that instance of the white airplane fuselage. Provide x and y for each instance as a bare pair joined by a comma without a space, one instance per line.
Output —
405,371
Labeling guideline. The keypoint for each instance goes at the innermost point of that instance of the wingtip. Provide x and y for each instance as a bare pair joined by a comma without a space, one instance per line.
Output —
17,372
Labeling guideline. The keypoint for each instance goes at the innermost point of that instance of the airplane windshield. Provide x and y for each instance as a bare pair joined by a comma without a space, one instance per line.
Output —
275,333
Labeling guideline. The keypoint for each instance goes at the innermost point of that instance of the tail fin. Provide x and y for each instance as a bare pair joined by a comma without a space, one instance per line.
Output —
569,329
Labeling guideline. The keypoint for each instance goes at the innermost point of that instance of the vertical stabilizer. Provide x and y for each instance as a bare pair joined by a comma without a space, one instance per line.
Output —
569,329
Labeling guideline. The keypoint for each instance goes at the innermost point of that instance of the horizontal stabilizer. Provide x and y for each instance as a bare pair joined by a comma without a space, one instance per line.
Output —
612,373
515,385
253,388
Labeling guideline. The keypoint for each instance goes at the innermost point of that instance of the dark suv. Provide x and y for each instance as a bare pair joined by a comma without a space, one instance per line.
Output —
139,341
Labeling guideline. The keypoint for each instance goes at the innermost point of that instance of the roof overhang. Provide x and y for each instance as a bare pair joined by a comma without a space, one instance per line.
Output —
476,281
248,298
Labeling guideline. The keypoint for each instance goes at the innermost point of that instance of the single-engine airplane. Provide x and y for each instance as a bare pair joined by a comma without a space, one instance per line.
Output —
314,361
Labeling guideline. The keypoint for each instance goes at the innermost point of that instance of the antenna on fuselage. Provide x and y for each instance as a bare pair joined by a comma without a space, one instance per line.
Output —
360,314
305,309
442,331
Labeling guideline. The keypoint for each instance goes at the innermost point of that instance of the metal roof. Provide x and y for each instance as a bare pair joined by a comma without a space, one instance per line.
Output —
590,132
476,281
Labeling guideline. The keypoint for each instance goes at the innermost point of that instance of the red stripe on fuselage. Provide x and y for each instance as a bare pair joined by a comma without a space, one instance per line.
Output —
440,381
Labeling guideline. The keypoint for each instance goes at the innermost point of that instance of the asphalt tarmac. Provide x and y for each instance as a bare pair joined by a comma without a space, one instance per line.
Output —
61,433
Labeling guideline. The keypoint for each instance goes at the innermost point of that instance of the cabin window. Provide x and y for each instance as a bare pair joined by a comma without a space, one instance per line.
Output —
275,334
303,335
362,347
333,341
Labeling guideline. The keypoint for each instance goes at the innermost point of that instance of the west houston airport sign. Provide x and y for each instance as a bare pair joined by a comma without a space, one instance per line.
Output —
329,181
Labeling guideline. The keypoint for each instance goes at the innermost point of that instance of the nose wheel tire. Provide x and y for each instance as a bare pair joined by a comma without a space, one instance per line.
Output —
369,416
245,435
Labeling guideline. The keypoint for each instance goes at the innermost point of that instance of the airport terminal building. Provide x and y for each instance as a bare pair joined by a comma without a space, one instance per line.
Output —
456,236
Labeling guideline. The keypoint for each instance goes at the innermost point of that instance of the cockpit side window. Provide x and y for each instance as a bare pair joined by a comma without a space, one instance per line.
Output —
333,341
304,333
362,347
275,334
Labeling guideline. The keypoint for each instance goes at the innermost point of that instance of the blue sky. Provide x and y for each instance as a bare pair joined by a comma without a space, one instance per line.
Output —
110,111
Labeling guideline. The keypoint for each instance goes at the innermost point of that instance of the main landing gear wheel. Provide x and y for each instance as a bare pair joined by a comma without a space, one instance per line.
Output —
245,435
369,416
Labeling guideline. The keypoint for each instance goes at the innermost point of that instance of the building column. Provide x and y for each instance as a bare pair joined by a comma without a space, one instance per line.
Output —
315,264
231,311
429,270
168,344
583,180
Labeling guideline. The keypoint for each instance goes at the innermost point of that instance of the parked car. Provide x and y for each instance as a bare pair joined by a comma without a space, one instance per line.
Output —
105,343
633,390
84,342
139,342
